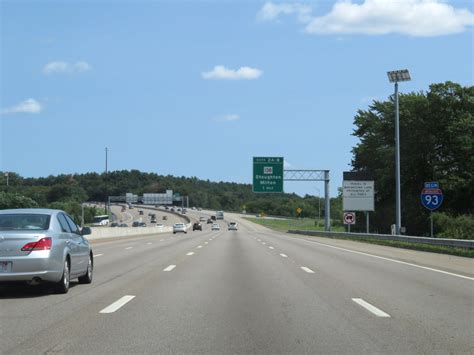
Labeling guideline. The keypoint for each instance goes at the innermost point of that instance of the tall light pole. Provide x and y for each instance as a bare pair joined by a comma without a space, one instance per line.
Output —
394,77
106,182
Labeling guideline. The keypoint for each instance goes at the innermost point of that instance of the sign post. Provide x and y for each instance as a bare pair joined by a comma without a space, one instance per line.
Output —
267,174
431,198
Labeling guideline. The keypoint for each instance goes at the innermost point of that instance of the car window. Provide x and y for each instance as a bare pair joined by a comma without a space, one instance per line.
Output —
74,227
23,221
63,223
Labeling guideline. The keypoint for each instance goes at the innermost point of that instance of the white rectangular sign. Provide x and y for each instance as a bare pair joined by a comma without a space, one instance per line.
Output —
358,195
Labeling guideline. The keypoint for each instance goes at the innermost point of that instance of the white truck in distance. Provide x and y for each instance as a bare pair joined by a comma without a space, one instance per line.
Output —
219,214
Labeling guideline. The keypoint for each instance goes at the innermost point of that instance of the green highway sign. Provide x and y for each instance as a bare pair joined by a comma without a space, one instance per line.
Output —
267,174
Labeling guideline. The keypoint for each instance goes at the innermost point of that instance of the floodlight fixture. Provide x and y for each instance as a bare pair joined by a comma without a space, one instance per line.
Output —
396,76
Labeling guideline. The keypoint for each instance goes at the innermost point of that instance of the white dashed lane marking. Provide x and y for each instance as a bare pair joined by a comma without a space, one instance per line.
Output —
372,309
190,253
169,268
199,246
271,248
117,304
97,255
307,269
284,255
127,248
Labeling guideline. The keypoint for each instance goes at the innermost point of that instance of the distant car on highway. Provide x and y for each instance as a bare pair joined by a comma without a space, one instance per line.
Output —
140,212
165,218
209,221
179,228
114,224
216,227
197,226
123,225
136,224
44,245
202,219
232,226
160,225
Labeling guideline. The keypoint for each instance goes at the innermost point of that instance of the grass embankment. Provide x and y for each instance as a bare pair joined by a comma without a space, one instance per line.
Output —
283,225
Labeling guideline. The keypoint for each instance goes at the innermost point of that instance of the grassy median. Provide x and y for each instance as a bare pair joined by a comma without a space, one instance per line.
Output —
283,225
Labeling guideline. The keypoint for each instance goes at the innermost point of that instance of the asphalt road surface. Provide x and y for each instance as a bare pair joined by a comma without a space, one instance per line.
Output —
248,291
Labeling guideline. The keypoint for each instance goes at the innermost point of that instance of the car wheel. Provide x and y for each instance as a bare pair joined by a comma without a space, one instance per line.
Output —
63,285
87,277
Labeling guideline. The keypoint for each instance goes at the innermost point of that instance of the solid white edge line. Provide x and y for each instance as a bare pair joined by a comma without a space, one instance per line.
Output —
169,268
97,255
393,260
307,269
190,253
378,312
284,255
117,304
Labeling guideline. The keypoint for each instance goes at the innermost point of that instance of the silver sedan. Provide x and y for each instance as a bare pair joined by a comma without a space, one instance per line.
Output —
44,245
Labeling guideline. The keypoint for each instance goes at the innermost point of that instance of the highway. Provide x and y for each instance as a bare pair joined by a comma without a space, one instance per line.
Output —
248,291
130,215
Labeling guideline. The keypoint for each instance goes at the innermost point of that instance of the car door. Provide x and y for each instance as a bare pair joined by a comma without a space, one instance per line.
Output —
66,236
79,251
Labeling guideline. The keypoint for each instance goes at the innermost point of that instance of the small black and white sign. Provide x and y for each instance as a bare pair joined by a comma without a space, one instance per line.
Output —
349,218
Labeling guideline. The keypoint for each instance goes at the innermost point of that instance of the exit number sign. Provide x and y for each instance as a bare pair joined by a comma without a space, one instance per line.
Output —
267,174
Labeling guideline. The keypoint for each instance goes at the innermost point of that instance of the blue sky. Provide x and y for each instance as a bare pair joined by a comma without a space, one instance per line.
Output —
140,78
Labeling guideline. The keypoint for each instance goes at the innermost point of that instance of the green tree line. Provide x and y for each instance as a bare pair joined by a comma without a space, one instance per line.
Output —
71,190
436,144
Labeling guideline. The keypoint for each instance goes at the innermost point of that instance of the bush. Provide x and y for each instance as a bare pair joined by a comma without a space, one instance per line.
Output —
460,227
15,200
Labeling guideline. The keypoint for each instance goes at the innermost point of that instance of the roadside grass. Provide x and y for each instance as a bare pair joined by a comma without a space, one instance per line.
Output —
283,225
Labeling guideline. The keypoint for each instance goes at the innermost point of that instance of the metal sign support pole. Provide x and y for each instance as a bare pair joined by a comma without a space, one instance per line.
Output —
327,201
431,222
314,175
367,215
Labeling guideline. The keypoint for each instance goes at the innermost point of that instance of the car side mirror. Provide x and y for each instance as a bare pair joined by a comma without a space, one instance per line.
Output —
86,231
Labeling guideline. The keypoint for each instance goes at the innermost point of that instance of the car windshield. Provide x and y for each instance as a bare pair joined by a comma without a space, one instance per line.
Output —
22,221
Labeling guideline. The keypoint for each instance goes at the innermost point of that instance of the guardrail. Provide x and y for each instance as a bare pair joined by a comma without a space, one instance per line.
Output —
460,243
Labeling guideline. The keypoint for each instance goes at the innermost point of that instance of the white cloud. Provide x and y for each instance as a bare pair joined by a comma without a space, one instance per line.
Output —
271,11
27,106
421,18
65,67
286,164
223,73
82,66
227,118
